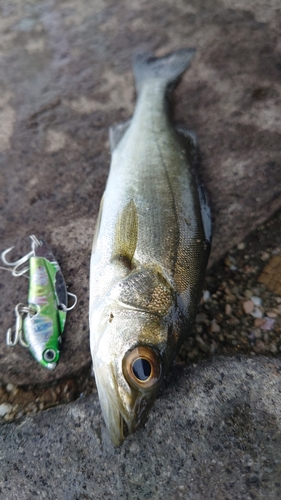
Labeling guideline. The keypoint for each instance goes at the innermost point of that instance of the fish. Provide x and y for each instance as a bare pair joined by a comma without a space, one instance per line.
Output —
150,250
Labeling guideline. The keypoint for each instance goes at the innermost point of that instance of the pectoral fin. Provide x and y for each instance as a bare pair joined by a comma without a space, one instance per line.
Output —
126,234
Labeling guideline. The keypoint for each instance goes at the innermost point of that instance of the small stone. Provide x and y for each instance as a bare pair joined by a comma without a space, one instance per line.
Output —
5,408
215,328
10,387
233,321
49,396
206,295
9,416
257,313
273,348
268,324
256,301
200,318
265,336
248,306
265,256
258,333
228,309
241,246
213,348
271,314
258,322
202,344
248,294
259,347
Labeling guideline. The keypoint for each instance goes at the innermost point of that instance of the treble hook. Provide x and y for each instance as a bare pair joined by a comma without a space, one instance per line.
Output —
63,306
22,260
20,310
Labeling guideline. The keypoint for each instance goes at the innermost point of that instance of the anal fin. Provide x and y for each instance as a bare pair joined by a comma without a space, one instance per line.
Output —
116,132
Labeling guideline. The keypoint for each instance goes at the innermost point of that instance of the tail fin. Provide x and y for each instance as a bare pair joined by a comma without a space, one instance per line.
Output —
168,68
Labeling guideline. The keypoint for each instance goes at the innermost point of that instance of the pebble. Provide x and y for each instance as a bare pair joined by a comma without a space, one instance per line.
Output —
256,301
241,246
5,408
215,328
257,313
268,324
271,314
228,309
10,387
259,347
200,318
206,295
258,322
265,256
248,306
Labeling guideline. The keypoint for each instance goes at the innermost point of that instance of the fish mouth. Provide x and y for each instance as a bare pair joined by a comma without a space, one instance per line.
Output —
123,428
121,422
118,426
124,409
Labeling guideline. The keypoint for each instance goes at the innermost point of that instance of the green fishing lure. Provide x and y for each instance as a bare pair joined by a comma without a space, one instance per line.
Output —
40,324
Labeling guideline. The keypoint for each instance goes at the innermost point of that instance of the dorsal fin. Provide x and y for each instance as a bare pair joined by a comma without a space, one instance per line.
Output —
126,234
189,139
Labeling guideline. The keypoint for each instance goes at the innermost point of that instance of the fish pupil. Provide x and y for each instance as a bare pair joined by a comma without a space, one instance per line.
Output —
142,369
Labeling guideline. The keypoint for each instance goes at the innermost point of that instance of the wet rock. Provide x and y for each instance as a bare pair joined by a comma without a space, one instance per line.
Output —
214,432
66,76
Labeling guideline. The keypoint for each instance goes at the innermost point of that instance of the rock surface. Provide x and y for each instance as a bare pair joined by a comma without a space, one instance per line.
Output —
214,433
66,77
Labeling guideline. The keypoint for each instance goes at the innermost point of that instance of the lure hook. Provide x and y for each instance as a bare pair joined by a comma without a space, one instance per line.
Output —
18,263
11,340
63,306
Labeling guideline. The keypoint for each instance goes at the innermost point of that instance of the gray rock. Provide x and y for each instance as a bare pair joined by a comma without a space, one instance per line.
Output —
66,77
214,433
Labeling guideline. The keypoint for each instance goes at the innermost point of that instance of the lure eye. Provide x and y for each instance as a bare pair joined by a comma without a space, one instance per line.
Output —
49,355
142,367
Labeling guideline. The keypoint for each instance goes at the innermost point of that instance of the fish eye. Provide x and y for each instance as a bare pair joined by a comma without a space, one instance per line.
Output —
142,367
49,355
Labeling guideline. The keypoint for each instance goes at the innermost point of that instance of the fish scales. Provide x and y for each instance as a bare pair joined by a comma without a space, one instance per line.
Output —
149,254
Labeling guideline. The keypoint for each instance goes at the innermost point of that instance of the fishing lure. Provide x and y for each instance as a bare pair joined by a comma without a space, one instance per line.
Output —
40,324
